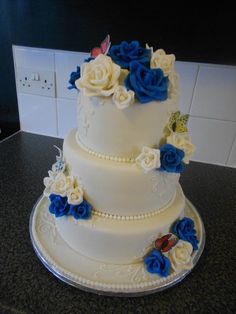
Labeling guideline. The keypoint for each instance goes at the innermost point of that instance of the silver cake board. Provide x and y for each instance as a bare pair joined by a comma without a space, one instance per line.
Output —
97,277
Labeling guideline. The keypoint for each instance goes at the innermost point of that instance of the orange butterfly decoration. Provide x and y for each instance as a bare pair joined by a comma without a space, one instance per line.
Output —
103,49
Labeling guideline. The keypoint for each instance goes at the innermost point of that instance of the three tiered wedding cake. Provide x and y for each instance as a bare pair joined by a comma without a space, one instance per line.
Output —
114,189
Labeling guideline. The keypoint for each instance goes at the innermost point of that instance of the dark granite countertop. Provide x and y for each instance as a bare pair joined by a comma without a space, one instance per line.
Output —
26,286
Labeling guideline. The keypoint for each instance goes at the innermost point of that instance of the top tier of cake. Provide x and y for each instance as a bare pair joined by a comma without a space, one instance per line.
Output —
106,130
127,95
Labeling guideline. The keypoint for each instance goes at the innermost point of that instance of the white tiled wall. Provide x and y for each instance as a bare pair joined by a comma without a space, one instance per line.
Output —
208,93
39,59
38,114
213,139
66,114
188,75
214,95
65,63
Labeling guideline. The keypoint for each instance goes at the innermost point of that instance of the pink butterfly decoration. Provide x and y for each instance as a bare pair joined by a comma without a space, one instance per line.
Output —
103,49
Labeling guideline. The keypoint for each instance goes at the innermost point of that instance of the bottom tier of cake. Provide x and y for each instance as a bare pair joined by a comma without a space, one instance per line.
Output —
106,278
119,241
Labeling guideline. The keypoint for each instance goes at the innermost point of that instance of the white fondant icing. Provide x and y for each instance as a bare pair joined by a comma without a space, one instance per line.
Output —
123,133
47,226
117,188
136,272
83,119
160,182
119,241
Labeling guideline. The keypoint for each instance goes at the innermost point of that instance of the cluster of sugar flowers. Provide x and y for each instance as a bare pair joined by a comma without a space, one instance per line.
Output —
176,152
64,192
173,250
126,71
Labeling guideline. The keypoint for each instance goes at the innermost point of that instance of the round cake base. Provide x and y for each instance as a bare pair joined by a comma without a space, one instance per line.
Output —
94,276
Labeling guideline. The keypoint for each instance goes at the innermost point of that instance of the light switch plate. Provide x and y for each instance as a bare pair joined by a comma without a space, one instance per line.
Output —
36,82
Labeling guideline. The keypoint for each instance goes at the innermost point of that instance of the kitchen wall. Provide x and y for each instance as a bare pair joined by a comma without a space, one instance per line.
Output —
193,32
208,93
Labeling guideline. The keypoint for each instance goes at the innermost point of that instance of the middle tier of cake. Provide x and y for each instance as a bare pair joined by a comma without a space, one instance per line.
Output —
117,189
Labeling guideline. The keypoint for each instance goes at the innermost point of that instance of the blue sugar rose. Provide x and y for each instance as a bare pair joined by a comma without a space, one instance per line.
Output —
81,211
126,52
184,229
88,59
156,263
171,159
58,206
148,84
74,76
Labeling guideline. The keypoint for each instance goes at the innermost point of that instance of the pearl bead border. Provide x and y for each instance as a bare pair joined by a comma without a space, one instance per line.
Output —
129,160
119,217
103,214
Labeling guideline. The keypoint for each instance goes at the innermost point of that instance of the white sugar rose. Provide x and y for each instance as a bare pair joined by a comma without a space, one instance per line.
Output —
180,256
163,61
99,77
122,97
62,184
182,141
75,196
148,159
48,181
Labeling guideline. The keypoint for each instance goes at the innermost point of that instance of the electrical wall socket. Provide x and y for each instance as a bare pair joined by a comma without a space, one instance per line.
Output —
36,82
